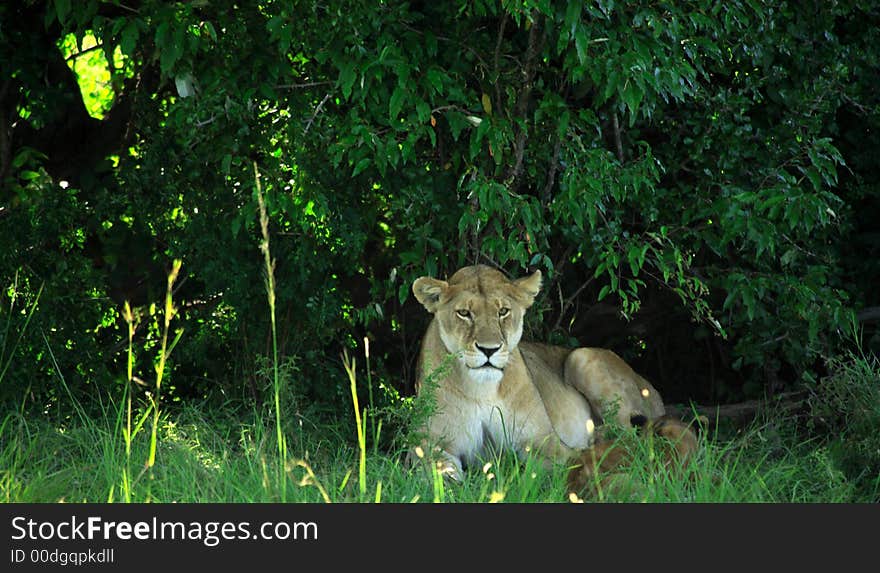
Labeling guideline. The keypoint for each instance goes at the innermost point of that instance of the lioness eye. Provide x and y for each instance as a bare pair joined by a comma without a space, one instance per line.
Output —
464,313
503,312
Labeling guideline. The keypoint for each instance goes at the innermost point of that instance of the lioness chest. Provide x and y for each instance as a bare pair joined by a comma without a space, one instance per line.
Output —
510,414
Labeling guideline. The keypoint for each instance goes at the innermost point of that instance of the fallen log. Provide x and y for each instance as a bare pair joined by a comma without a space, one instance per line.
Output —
741,412
869,314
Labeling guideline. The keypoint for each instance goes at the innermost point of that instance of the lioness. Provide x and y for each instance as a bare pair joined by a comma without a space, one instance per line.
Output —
504,392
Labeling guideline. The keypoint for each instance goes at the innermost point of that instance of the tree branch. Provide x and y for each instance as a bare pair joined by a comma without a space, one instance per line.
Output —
618,141
870,314
741,412
314,115
564,305
302,85
75,55
522,103
5,132
551,173
497,61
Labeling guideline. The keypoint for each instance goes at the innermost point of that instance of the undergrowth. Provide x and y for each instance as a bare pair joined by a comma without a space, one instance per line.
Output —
128,446
231,456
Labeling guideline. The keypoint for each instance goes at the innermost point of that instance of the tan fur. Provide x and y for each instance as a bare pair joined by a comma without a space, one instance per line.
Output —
603,466
503,392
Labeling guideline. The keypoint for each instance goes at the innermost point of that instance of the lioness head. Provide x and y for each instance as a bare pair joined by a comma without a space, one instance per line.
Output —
479,312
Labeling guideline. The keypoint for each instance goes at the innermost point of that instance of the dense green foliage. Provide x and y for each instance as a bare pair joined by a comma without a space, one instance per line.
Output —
845,409
709,169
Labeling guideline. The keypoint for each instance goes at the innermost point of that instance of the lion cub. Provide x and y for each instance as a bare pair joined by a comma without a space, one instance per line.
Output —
603,466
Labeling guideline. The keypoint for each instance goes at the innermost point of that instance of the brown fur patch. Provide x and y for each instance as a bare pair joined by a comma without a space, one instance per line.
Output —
603,466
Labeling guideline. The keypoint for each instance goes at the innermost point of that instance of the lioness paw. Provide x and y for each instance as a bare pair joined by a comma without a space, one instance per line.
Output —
449,470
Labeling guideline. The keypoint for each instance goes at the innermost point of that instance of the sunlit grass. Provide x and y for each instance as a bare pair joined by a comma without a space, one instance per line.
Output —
213,458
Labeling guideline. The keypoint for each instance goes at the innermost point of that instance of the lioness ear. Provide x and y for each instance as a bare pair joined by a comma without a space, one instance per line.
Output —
428,292
529,287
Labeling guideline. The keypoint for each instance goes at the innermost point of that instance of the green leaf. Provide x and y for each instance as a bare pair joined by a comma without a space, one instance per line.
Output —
581,43
361,165
211,31
423,111
457,123
813,175
396,102
477,136
632,95
435,78
633,256
611,85
430,43
62,9
347,76
572,17
129,37
170,44
562,126
487,103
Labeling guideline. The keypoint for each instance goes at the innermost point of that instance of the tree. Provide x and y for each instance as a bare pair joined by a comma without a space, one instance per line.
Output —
700,169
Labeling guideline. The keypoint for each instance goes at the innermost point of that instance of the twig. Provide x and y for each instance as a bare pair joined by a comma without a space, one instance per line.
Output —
314,115
491,262
75,55
302,85
475,243
558,265
861,108
451,107
208,121
618,143
564,305
129,8
439,38
551,174
561,304
532,52
774,340
497,61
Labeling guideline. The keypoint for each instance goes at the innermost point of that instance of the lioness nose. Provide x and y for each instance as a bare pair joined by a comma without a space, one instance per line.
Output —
488,350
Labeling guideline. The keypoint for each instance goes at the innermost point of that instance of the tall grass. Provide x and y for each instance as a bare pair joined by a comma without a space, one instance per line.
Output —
270,296
128,432
219,457
350,368
6,354
164,351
